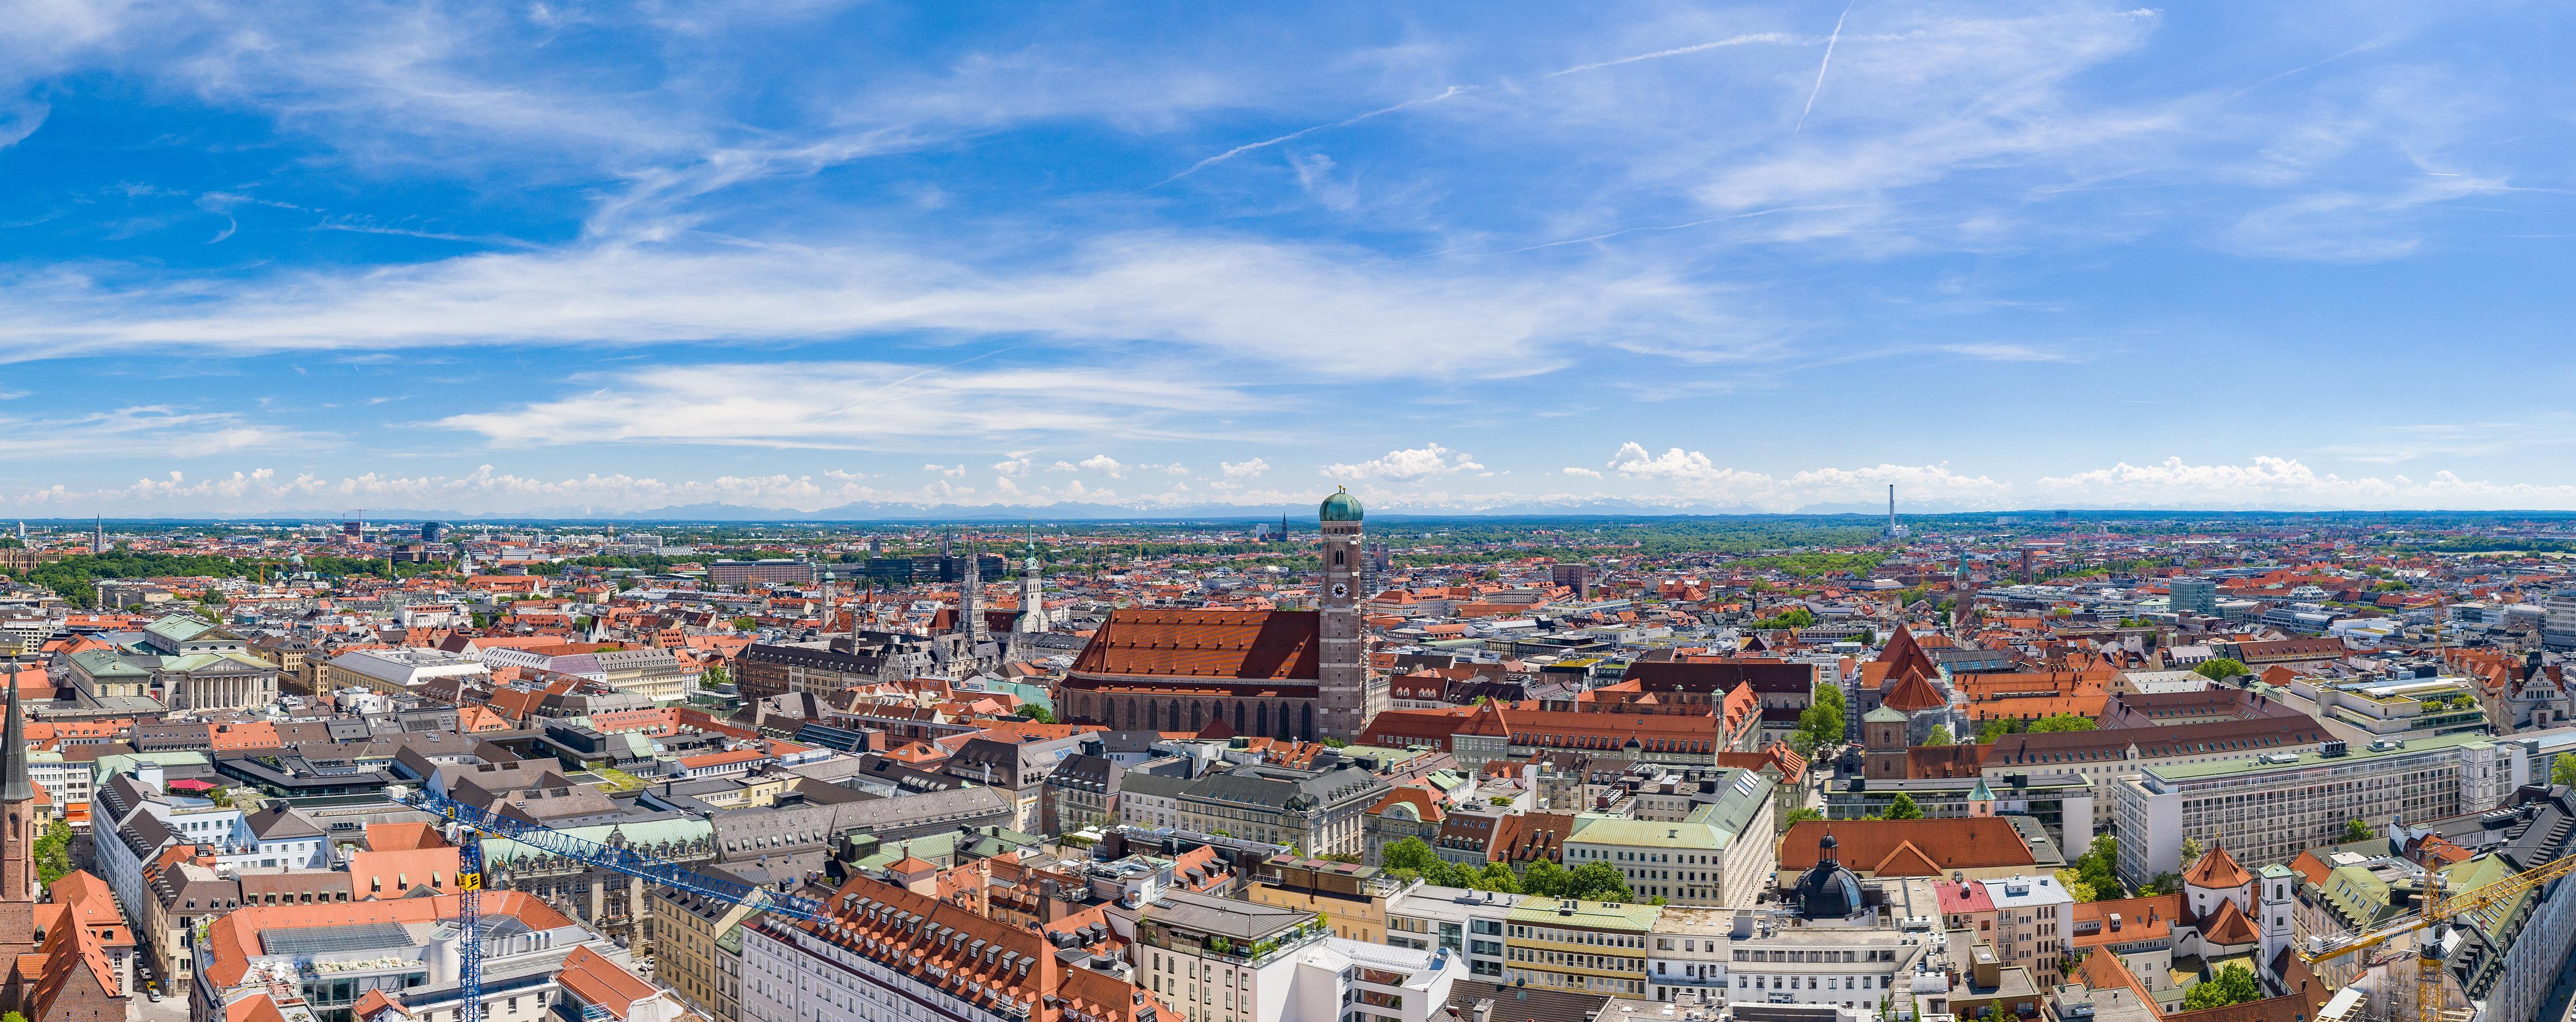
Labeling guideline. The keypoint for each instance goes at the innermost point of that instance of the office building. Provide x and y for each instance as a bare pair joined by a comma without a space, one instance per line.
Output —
2268,807
2194,596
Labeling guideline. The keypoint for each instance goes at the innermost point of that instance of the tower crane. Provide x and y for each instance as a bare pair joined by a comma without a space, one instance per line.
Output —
2438,911
467,824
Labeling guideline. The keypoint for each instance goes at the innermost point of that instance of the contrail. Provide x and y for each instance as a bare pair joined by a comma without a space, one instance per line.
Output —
1301,133
1820,69
1758,37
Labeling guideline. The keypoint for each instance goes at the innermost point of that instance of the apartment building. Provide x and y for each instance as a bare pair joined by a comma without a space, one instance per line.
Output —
1352,898
1462,921
1722,854
1324,812
2271,806
1863,969
1597,947
889,954
1221,960
2106,757
335,956
2034,925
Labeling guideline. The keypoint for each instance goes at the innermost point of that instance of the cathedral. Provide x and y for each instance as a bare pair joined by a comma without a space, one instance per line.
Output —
1300,674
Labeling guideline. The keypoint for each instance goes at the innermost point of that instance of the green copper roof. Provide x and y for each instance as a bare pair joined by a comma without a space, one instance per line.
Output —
1340,507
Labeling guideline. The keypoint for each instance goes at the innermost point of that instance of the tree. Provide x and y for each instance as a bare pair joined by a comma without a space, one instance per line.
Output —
746,624
1336,743
1902,807
2356,830
1035,714
2220,669
2099,865
1800,815
1413,858
2076,887
1496,877
1598,881
1940,735
2062,722
2191,850
2164,883
2563,769
714,677
54,852
2234,984
1544,878
1997,728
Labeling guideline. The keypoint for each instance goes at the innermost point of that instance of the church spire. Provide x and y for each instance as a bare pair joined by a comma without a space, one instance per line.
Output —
14,783
970,598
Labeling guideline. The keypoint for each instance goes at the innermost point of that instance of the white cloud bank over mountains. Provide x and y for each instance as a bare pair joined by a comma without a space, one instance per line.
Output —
1431,479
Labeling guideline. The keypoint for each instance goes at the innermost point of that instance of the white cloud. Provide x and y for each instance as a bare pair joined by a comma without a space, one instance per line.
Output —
847,405
1584,472
1301,310
2278,482
951,471
1246,469
1695,474
1105,465
144,430
1012,467
1408,465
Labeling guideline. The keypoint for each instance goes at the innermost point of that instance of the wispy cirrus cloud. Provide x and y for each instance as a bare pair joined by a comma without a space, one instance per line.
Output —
848,406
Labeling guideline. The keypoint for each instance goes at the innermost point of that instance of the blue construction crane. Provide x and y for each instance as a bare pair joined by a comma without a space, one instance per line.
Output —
470,821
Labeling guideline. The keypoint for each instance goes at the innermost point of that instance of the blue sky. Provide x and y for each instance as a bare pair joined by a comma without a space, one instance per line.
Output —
507,257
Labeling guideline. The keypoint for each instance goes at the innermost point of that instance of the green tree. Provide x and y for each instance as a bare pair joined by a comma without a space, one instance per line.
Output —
714,677
2099,865
2191,850
2076,887
1496,877
2234,984
2062,722
2563,769
12,1016
2219,669
1940,735
1335,743
746,624
1800,815
1035,714
2356,830
1902,807
1413,858
54,852
2164,883
1997,728
1545,878
1598,881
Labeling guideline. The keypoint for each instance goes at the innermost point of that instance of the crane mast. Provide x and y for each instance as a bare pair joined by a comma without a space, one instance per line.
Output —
469,824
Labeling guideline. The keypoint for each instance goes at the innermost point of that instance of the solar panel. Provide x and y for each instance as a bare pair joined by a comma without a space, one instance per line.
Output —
335,939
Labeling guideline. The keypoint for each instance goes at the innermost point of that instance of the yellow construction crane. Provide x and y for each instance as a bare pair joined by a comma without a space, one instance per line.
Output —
2437,911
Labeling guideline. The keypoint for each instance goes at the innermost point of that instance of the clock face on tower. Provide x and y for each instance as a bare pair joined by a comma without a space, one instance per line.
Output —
1340,590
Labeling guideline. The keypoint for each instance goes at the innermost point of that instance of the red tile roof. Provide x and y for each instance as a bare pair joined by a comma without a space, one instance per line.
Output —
1246,644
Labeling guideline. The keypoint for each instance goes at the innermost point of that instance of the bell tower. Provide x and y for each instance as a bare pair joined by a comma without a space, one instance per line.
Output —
1349,694
18,879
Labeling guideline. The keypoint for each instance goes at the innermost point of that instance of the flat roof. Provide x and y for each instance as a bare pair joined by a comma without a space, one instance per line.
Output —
2281,761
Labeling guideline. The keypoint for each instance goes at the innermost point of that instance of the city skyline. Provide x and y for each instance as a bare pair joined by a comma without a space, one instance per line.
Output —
494,260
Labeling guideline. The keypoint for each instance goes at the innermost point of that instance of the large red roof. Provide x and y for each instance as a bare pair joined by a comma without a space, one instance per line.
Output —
1245,644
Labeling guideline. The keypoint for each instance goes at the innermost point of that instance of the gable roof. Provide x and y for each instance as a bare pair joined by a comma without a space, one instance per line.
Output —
1245,644
1984,842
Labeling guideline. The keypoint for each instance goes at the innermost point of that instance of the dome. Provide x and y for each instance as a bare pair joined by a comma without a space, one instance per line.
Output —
1827,890
1340,507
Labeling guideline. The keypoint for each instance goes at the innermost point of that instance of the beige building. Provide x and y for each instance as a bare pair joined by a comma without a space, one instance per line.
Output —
1352,898
698,950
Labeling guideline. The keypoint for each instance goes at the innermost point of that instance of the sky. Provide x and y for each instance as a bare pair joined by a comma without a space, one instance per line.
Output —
494,258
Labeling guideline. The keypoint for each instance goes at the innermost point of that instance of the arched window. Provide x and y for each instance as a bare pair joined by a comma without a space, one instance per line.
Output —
1337,558
1306,730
